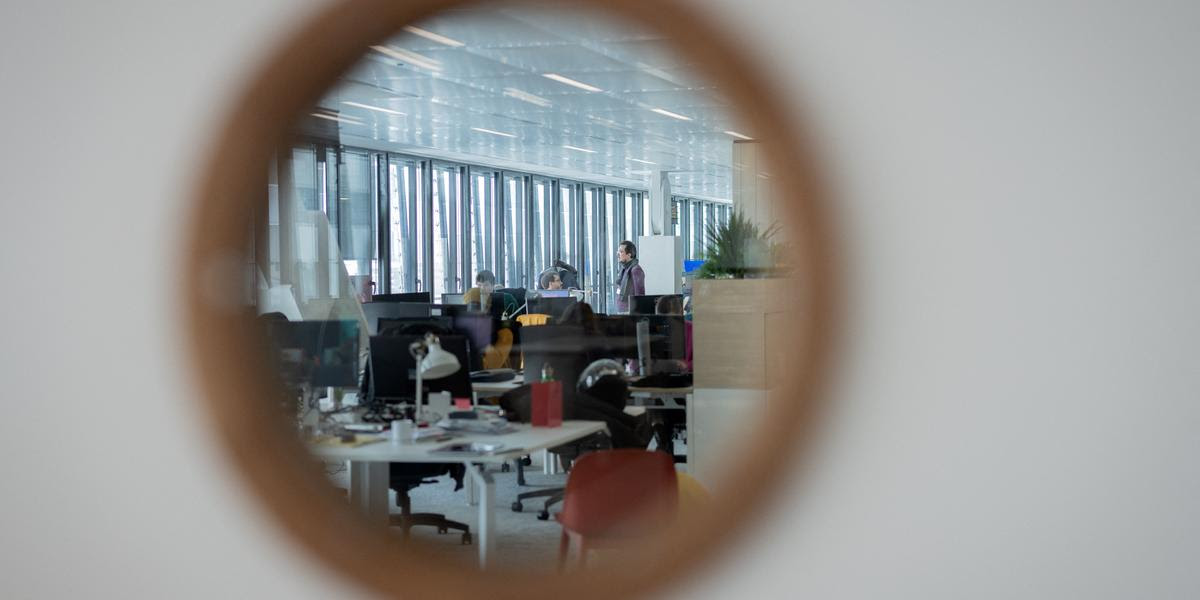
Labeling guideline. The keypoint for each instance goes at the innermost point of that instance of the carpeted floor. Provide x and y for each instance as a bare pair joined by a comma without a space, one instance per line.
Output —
522,541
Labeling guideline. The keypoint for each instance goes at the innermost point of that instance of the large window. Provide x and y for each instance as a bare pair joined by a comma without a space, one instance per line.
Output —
515,200
415,224
541,225
405,178
592,262
352,212
484,224
448,230
569,223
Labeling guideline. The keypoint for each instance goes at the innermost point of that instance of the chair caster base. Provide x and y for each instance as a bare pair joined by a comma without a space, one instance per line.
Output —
466,538
544,515
517,507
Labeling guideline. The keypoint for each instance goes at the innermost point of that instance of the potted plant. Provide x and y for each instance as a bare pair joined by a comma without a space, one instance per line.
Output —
738,300
737,249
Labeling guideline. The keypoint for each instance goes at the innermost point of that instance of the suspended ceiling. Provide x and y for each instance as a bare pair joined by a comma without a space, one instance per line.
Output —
566,93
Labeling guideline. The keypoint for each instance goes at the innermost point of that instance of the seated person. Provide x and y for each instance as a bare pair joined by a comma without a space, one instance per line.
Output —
551,281
483,296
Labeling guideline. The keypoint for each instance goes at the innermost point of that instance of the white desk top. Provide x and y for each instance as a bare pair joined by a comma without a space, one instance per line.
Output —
526,439
498,387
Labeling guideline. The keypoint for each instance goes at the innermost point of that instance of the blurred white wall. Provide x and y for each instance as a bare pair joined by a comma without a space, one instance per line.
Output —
1016,412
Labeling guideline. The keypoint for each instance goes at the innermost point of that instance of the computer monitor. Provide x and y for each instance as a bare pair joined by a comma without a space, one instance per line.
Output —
478,328
318,353
668,337
644,305
450,310
391,372
414,325
553,306
453,299
618,335
564,347
555,293
496,308
426,297
374,311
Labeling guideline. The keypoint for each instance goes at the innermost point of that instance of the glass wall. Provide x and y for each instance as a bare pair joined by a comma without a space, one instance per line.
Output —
541,229
416,224
484,230
692,220
406,182
448,230
569,223
516,198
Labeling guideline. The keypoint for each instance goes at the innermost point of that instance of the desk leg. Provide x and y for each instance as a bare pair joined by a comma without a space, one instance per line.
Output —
485,536
369,490
472,489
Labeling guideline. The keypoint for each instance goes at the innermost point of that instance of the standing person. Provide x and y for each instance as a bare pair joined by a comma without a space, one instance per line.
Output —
631,279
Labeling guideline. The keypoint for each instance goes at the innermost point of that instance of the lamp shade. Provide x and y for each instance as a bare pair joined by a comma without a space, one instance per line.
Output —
438,363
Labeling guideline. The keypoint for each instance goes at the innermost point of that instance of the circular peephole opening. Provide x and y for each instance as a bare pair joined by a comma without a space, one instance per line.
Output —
511,299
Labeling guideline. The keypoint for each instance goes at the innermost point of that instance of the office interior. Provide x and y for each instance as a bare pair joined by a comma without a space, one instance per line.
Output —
528,145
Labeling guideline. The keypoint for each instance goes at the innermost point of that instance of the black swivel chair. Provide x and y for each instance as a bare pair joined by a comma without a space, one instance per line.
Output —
403,477
569,351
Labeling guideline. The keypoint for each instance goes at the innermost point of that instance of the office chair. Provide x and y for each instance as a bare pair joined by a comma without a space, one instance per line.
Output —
404,477
604,402
614,497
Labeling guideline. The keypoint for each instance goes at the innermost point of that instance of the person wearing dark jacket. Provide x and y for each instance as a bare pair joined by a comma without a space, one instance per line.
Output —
631,279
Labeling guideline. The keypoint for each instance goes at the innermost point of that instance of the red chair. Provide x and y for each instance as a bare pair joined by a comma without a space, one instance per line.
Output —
614,497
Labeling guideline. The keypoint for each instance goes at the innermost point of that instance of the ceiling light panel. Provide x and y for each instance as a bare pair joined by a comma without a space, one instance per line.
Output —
493,132
571,82
409,57
435,37
374,108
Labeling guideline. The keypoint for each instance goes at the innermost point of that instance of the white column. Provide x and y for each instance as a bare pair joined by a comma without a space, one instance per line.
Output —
752,186
660,203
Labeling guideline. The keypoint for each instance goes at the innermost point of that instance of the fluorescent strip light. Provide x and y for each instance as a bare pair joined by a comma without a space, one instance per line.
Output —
609,122
739,135
644,162
338,119
493,132
374,108
526,96
577,148
411,58
429,35
670,114
571,82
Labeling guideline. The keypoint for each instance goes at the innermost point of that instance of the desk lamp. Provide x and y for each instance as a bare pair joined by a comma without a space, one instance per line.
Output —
432,362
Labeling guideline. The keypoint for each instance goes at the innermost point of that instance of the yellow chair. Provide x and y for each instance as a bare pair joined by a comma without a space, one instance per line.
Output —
533,319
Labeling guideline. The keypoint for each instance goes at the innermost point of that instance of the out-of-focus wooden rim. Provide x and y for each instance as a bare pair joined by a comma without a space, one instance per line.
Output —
229,362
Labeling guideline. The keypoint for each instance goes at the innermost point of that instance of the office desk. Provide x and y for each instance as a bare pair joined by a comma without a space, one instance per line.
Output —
369,468
491,389
655,397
